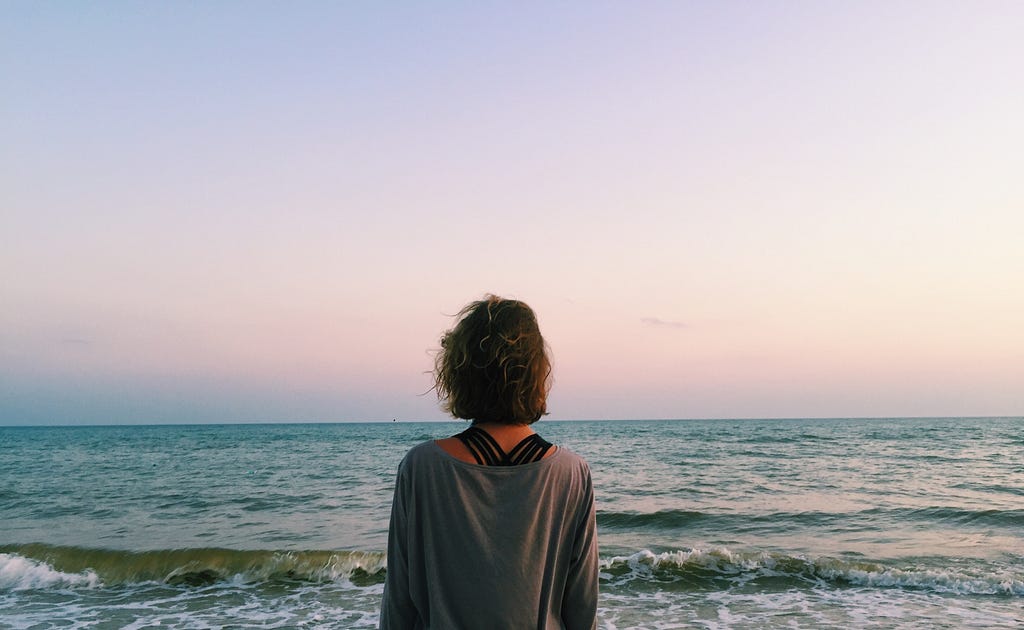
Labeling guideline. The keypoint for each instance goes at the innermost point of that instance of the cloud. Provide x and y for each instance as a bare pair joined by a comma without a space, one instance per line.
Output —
661,323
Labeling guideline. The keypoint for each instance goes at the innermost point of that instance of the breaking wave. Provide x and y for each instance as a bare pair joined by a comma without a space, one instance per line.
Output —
45,566
37,566
721,568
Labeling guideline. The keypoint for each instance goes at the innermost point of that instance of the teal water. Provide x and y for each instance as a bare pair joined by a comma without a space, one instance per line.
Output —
885,523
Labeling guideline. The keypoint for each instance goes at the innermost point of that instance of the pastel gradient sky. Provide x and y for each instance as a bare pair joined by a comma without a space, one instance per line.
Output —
222,212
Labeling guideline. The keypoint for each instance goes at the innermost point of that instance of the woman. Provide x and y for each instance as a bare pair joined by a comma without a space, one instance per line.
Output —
494,527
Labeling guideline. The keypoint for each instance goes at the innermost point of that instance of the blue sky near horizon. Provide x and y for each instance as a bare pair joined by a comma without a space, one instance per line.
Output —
235,212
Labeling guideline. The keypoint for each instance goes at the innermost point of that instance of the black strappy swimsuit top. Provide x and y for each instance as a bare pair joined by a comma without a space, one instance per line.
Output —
487,451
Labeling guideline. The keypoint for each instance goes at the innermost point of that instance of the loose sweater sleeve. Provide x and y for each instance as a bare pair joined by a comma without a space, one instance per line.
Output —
397,610
579,604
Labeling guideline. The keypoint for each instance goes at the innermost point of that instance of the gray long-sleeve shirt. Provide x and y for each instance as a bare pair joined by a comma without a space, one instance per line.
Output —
491,547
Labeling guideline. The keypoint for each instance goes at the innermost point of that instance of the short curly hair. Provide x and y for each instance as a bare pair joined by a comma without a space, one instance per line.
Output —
494,366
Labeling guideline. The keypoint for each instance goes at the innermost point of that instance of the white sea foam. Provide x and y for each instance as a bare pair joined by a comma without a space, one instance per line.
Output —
855,607
323,606
18,573
740,568
939,581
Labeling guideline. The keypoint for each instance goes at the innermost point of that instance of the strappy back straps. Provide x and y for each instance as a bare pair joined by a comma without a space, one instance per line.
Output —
487,452
484,448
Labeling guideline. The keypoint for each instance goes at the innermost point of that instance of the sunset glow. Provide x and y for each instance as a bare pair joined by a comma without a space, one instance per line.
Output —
224,213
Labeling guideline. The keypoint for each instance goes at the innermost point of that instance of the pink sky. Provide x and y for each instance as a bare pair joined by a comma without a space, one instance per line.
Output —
219,214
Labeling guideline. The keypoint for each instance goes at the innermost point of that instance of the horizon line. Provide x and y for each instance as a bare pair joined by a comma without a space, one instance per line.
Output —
459,420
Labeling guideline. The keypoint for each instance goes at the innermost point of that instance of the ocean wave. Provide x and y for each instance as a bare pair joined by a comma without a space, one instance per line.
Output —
800,438
641,520
38,566
18,573
994,488
721,568
671,519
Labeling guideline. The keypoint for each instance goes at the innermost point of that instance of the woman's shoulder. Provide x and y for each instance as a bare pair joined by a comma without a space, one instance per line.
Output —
571,461
422,452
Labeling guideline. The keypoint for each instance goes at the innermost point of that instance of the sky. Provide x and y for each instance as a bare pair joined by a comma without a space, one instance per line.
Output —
258,212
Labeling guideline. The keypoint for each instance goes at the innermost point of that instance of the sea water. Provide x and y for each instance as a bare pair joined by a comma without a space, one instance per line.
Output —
848,523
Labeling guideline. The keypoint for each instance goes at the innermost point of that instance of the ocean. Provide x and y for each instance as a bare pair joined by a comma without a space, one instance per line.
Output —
827,523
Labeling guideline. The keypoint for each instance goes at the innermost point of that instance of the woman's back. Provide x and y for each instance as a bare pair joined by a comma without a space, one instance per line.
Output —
475,546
